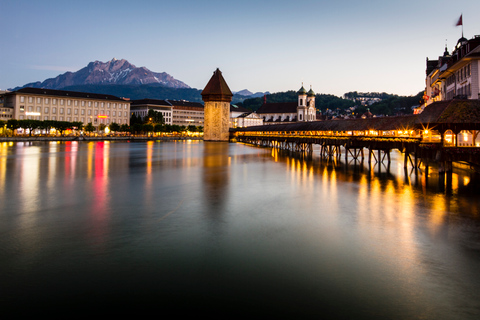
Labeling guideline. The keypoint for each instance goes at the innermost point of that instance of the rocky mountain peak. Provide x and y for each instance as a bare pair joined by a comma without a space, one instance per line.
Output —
114,71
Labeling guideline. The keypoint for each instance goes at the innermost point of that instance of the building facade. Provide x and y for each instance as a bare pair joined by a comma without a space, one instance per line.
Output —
284,112
241,117
59,105
248,119
140,108
5,113
456,75
185,113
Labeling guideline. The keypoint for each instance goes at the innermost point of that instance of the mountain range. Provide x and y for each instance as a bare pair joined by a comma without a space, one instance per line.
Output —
123,79
113,72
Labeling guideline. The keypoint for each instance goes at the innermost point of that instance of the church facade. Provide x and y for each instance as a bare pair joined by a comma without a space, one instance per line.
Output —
286,112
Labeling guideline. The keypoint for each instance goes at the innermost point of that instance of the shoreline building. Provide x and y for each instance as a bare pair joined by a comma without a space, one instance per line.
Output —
288,112
72,106
140,108
5,113
241,117
456,75
217,97
186,113
182,113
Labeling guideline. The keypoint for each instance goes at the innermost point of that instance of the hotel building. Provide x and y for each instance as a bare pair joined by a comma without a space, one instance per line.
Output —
140,108
187,113
456,75
47,104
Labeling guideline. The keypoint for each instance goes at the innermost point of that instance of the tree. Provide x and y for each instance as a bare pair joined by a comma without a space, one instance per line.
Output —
147,128
101,128
29,124
125,128
153,117
114,127
134,119
159,128
89,128
62,126
3,126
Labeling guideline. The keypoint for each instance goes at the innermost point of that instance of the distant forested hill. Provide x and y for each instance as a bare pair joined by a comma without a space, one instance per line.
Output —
394,105
322,101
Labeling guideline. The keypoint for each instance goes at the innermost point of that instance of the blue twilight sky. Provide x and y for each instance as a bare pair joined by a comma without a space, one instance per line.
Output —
263,45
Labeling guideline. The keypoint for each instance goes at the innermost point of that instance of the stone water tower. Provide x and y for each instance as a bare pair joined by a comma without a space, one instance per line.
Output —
217,97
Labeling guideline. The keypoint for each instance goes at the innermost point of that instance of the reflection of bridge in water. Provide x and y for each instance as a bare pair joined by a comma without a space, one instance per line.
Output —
445,132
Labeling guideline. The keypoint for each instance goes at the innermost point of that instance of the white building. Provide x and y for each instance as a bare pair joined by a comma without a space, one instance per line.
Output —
140,108
248,119
456,75
242,117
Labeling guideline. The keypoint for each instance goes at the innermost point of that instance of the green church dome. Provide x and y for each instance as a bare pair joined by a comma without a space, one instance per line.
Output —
302,91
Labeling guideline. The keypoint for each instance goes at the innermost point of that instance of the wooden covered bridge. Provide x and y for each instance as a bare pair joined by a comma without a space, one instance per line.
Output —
443,133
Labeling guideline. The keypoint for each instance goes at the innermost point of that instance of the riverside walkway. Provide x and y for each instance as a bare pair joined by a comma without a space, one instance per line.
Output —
443,133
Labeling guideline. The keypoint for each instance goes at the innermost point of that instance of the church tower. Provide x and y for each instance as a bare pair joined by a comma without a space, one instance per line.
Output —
302,105
311,111
217,97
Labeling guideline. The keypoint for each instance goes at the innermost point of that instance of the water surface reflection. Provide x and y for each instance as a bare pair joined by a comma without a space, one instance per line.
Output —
223,228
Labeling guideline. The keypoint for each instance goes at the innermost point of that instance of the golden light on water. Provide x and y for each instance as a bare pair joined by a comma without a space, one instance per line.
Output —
3,163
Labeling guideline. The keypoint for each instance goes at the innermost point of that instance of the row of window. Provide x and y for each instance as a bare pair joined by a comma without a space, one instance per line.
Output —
75,119
464,73
76,103
460,75
69,111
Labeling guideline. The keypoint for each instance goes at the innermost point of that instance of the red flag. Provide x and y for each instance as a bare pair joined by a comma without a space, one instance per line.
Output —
459,22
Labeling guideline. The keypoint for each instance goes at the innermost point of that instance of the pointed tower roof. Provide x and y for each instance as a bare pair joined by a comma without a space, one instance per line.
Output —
217,89
302,90
310,93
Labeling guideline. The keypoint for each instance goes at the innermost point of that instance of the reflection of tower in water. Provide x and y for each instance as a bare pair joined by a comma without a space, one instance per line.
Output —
215,175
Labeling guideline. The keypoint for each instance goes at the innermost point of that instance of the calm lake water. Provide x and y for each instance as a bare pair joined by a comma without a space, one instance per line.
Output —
229,229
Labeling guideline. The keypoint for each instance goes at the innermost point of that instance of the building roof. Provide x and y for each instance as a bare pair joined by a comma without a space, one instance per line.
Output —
217,89
302,90
183,103
451,112
64,93
278,107
154,102
236,108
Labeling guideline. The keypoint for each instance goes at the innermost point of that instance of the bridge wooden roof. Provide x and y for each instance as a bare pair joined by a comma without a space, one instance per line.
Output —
384,123
452,114
451,111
